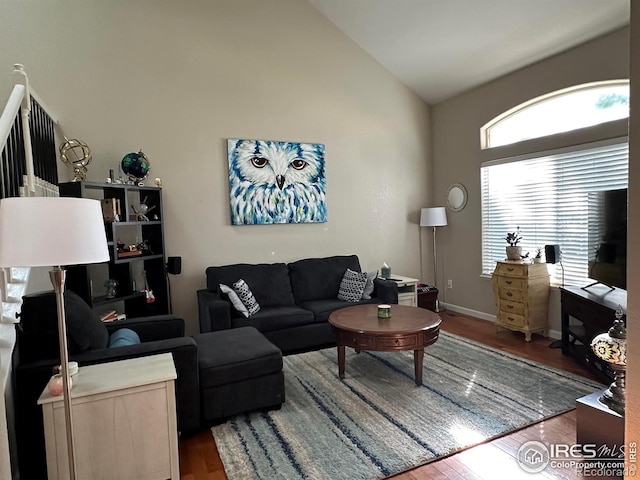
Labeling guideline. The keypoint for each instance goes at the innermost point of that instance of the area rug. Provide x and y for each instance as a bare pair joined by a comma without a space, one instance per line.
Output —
377,422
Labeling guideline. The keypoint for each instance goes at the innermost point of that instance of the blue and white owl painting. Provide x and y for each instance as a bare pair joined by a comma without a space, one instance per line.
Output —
276,182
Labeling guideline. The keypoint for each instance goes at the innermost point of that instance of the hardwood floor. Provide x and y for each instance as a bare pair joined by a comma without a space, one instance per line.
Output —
199,459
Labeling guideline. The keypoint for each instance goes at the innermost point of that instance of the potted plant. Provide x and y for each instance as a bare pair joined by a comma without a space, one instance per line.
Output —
514,251
538,257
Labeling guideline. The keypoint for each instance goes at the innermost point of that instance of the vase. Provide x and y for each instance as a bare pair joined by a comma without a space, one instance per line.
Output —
514,253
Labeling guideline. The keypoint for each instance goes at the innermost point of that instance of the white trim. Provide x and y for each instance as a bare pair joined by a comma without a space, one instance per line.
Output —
577,137
468,311
556,335
485,129
10,112
555,151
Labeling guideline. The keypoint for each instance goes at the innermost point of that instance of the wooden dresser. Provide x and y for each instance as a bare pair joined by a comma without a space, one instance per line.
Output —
522,297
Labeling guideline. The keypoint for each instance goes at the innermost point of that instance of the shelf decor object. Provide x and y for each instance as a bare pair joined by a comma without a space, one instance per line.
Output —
76,154
136,166
611,347
54,231
433,217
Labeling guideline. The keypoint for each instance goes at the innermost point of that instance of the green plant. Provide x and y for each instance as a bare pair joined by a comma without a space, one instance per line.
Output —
513,238
538,252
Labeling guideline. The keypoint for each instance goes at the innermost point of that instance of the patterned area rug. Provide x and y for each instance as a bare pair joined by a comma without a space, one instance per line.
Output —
377,422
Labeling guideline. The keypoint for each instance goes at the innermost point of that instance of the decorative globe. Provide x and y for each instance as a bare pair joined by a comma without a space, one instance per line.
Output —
77,155
136,166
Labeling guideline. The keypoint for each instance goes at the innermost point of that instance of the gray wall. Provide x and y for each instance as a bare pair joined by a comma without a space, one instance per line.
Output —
456,155
178,78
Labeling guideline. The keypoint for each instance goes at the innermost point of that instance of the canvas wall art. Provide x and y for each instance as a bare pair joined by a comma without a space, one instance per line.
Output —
276,182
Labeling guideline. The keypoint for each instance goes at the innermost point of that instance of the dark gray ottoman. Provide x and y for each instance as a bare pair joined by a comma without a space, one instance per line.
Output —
240,371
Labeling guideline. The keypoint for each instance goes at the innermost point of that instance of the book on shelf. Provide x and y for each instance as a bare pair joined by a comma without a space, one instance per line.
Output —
112,316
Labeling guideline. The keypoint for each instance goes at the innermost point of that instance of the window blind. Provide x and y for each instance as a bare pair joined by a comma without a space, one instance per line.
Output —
553,199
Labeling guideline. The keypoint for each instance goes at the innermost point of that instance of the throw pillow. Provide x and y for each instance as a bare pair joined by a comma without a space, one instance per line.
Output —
352,286
368,288
123,337
85,331
247,298
234,299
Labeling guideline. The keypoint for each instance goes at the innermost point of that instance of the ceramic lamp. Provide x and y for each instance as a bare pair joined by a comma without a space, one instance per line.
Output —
611,347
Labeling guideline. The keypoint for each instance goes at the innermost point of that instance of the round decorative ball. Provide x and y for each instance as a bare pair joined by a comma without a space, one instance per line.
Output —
610,349
136,166
77,155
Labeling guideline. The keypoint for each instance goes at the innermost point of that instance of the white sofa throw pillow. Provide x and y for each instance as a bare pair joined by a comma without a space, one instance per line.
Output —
235,300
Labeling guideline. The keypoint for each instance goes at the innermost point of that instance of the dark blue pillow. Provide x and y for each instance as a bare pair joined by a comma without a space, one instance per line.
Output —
85,331
123,337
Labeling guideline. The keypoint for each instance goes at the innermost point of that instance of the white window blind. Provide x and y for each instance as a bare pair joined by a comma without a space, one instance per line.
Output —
552,199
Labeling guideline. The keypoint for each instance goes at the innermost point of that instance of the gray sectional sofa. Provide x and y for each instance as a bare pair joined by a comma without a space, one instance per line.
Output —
295,299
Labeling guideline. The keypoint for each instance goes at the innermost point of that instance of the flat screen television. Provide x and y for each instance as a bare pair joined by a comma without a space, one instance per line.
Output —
608,237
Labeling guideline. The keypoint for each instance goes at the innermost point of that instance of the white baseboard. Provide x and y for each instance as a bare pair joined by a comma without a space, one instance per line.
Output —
555,334
468,311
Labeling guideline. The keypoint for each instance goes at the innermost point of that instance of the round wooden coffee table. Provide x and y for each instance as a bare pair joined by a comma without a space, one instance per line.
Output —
409,328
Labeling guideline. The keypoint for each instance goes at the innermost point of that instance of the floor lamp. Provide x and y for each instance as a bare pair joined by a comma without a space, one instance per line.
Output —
54,232
434,217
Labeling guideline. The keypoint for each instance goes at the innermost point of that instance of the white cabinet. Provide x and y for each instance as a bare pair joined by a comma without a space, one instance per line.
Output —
124,418
407,290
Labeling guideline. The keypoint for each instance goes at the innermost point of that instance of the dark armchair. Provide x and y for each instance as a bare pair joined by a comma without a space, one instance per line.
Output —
37,352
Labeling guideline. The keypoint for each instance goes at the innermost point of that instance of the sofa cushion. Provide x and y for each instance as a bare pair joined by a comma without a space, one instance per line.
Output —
269,282
368,288
85,331
352,286
275,318
319,278
323,308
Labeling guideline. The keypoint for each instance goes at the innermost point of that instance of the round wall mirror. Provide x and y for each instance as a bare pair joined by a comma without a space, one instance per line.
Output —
456,197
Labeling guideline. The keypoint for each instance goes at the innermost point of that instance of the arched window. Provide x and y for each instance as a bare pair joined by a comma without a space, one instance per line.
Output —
563,195
561,111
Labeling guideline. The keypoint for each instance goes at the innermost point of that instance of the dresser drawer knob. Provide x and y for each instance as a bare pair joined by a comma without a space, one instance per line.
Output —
508,282
509,306
511,319
397,341
510,269
509,294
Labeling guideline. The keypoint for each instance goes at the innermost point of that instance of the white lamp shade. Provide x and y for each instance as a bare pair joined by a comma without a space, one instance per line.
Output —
433,217
51,231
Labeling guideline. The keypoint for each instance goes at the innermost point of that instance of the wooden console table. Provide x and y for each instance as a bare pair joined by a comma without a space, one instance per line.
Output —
594,309
124,421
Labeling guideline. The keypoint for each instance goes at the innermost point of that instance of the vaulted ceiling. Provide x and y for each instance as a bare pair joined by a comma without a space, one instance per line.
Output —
440,48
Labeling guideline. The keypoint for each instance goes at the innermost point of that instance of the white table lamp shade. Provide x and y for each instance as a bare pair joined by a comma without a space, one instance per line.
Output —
433,217
51,231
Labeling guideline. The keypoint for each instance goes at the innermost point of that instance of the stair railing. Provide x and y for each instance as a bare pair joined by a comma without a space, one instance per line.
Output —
27,142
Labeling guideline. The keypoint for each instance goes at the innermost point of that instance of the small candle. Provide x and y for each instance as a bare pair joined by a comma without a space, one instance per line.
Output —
384,311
